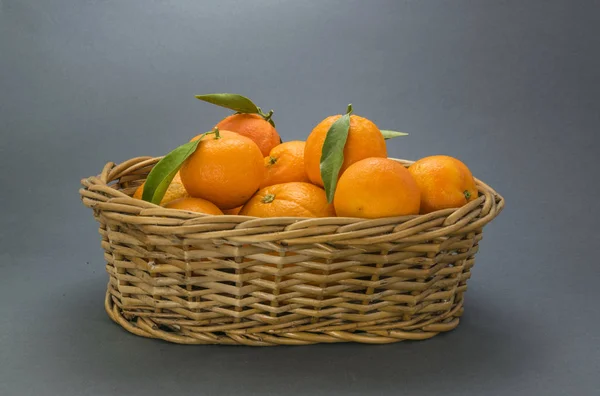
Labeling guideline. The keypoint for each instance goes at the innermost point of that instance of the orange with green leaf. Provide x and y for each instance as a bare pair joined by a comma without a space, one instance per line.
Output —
174,191
241,167
249,120
226,168
339,141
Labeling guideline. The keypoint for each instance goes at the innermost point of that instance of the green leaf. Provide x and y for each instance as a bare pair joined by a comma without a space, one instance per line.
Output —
235,102
391,134
165,170
332,155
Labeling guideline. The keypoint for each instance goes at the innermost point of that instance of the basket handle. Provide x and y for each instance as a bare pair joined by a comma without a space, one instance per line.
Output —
104,175
96,189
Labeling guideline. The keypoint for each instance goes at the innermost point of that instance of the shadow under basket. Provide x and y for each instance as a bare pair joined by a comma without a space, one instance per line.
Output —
191,278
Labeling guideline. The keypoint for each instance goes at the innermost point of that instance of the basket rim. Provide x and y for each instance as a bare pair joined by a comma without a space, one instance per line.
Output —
100,194
112,172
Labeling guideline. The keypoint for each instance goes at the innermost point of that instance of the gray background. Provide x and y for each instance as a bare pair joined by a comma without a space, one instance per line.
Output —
510,87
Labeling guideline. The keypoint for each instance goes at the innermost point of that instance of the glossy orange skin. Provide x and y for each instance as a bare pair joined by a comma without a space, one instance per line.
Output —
175,191
376,187
284,164
364,141
294,199
226,171
252,126
195,205
445,182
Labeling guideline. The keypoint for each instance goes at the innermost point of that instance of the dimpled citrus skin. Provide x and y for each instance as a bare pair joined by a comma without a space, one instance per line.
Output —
445,182
374,188
195,205
226,171
285,163
254,127
175,191
294,199
364,141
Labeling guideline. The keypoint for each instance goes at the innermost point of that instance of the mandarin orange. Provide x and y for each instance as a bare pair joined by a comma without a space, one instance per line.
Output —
252,126
376,187
295,199
194,205
364,141
445,182
285,163
226,169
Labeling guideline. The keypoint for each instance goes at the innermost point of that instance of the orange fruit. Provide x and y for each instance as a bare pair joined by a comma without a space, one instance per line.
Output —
194,205
233,211
285,163
294,199
376,187
175,190
364,141
445,182
226,169
252,126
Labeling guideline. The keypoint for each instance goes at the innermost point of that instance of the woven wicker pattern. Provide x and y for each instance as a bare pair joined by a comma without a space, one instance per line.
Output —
196,279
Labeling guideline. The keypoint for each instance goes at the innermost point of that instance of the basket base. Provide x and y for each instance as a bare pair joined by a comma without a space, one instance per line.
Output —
146,327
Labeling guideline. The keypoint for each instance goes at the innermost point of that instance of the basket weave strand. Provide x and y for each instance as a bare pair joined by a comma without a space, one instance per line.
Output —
191,278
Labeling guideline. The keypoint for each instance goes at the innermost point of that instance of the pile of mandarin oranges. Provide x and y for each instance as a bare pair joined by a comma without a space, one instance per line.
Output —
242,167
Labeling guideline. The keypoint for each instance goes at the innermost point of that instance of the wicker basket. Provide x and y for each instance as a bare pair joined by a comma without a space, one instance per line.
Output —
198,279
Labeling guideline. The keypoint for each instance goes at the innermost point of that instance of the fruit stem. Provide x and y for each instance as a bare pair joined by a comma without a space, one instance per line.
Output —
349,109
272,160
467,194
268,198
268,115
217,134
